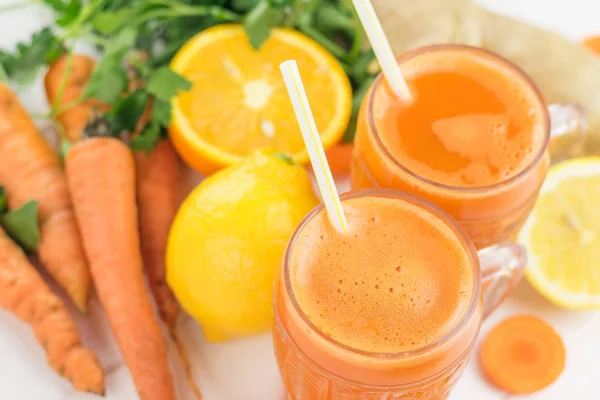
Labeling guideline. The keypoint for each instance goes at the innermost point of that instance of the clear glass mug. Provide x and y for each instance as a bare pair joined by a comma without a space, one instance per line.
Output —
314,366
489,214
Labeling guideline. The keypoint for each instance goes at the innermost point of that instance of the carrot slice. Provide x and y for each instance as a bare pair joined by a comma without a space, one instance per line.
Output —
593,44
523,354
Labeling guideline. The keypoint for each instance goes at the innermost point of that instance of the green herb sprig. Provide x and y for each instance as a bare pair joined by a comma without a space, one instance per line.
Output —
138,38
22,223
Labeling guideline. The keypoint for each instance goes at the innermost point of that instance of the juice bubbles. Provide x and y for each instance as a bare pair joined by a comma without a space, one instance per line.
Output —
474,140
392,307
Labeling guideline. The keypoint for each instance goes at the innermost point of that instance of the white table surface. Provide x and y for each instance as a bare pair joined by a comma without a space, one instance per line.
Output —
245,369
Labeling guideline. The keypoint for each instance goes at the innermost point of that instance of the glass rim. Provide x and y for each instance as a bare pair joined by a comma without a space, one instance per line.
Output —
428,206
462,47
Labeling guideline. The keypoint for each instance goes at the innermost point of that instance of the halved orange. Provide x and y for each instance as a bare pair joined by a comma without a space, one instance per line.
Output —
239,103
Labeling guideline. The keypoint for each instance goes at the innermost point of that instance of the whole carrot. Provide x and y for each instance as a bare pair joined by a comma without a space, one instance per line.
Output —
158,199
24,293
76,115
101,175
158,178
31,170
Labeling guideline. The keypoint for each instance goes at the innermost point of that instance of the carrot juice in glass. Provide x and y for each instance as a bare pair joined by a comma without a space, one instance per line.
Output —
390,309
474,140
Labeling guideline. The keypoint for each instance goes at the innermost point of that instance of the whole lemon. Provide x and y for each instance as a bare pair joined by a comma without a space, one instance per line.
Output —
228,239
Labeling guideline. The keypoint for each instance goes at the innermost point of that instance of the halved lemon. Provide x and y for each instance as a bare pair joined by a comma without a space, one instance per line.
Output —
239,103
563,235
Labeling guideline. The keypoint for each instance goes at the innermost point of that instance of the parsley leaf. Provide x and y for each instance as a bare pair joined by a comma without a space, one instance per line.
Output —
259,21
164,83
60,5
57,5
282,3
244,5
23,65
127,111
161,112
2,199
3,74
22,225
109,22
120,44
146,140
69,13
108,81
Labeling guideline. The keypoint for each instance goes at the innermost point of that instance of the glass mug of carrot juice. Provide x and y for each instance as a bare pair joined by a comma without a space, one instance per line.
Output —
474,140
388,310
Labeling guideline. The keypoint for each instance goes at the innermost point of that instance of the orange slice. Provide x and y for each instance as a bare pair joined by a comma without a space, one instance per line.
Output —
239,103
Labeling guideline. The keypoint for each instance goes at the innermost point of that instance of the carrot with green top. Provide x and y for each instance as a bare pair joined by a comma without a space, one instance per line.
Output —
24,293
101,175
65,83
31,170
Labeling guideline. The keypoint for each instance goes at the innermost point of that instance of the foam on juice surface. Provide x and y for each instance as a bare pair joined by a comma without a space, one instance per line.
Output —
474,121
398,280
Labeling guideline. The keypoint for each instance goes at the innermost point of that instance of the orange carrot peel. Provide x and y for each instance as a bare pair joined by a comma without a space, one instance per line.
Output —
101,175
31,170
24,293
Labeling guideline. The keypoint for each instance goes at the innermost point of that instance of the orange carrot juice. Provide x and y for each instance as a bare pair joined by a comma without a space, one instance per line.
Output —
473,141
389,308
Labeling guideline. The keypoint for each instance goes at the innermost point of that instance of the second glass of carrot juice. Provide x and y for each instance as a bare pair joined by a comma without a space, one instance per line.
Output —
474,140
389,309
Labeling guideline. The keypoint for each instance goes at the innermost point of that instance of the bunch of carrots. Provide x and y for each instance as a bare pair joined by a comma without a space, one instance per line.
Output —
102,218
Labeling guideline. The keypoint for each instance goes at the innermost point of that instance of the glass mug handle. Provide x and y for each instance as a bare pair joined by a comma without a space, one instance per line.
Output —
566,118
502,267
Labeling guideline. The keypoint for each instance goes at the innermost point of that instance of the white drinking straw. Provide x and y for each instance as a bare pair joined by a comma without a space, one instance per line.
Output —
312,140
381,47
